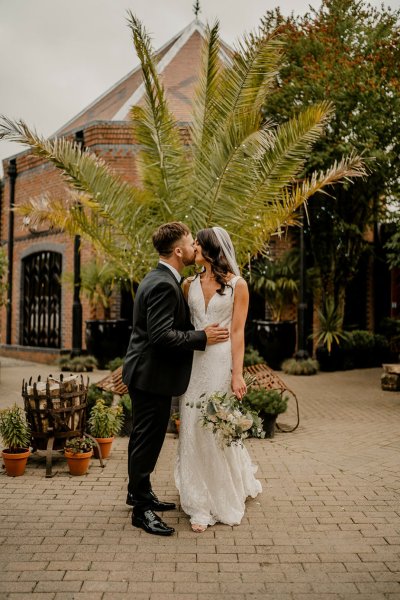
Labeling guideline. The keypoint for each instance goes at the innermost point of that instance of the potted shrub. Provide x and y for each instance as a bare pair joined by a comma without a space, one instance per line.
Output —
78,452
16,436
275,279
104,423
77,364
268,404
330,352
305,366
105,338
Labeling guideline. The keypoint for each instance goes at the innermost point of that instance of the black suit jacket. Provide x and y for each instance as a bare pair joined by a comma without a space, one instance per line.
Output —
160,352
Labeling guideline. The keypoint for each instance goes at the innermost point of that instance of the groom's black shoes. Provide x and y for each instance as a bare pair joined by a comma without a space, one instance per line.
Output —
154,502
151,523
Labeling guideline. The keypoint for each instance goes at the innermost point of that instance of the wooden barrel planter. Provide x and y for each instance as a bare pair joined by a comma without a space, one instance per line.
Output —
56,411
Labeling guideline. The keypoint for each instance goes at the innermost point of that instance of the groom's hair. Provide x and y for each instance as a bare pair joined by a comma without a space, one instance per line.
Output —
167,235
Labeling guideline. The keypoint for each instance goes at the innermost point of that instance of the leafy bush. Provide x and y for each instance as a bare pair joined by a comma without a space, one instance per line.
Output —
360,349
252,357
262,400
94,393
78,364
14,430
79,445
390,329
126,404
105,421
306,366
115,363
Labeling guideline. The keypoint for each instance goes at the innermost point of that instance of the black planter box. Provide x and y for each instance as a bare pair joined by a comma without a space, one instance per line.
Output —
107,339
275,341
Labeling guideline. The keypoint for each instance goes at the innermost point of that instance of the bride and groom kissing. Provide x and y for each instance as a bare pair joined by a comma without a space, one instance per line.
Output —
187,341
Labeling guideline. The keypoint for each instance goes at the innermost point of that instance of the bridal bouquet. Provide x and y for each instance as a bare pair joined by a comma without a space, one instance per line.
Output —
223,414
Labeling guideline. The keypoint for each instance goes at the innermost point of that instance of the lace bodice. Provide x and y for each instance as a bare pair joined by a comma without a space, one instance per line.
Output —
219,308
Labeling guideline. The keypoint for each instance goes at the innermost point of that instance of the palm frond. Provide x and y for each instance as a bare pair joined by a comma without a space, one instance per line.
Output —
161,157
290,147
281,212
244,83
202,125
83,170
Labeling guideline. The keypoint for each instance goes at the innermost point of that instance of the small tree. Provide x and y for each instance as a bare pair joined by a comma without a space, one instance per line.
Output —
348,52
276,279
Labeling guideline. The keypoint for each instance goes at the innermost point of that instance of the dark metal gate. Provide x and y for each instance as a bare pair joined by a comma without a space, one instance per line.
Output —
41,293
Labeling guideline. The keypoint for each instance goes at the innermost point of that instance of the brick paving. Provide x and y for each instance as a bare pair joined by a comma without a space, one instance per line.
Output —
327,526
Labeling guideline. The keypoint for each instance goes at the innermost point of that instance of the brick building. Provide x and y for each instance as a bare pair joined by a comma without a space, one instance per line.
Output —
43,318
37,322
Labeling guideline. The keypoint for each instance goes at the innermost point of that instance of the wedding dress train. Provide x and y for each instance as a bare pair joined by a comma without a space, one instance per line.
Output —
213,482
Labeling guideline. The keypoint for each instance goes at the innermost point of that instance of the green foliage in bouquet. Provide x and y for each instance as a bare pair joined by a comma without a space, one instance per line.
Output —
223,414
105,421
14,430
79,445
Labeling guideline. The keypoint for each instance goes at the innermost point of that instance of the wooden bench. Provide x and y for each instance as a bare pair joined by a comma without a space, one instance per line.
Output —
265,377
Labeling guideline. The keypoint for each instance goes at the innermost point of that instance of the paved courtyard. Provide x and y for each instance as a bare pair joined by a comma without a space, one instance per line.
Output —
327,526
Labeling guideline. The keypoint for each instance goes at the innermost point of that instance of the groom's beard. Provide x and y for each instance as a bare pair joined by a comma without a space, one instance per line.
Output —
187,261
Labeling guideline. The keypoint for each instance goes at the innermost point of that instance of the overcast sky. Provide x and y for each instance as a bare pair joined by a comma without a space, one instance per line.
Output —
57,56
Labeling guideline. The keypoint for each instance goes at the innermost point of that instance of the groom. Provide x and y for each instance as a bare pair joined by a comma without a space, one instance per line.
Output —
157,366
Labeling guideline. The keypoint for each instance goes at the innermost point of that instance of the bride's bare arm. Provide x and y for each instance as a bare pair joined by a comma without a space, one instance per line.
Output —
240,308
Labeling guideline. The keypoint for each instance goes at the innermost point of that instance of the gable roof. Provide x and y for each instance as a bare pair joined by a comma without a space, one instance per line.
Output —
178,66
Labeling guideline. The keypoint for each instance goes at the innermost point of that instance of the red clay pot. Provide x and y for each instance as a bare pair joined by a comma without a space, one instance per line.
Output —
105,447
15,462
78,463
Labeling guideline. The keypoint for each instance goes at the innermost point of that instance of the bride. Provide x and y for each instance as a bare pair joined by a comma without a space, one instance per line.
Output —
214,482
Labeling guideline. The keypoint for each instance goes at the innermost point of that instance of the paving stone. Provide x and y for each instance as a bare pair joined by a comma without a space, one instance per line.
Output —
327,526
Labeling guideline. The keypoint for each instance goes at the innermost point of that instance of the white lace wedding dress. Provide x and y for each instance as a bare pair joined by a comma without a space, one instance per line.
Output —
213,482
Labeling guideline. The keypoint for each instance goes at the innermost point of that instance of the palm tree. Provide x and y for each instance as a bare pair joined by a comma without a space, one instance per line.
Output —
239,170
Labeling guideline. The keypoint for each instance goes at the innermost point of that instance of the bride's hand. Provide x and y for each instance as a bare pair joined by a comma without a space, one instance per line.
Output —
239,387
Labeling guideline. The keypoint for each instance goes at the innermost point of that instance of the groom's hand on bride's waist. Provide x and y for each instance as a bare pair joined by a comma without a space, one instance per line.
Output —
216,334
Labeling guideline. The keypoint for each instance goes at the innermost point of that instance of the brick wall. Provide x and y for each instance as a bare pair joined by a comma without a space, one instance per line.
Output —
35,177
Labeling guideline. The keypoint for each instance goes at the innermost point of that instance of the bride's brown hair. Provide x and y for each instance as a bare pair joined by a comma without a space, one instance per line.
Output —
213,253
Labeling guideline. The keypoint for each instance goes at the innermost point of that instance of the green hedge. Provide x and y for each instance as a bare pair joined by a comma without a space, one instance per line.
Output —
361,349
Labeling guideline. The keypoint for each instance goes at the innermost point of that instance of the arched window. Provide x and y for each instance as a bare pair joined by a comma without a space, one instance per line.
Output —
41,300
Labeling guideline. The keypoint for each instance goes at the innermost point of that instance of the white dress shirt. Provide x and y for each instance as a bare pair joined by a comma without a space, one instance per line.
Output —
171,268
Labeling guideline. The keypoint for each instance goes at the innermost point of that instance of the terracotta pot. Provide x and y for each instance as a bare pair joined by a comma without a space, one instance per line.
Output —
15,462
105,447
177,424
78,463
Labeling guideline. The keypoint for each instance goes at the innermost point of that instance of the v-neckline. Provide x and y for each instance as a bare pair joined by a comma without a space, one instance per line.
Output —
214,294
204,298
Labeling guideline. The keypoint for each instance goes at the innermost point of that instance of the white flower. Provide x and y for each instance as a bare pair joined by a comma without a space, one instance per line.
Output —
222,414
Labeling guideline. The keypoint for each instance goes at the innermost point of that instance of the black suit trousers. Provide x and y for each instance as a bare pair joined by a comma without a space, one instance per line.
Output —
150,414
